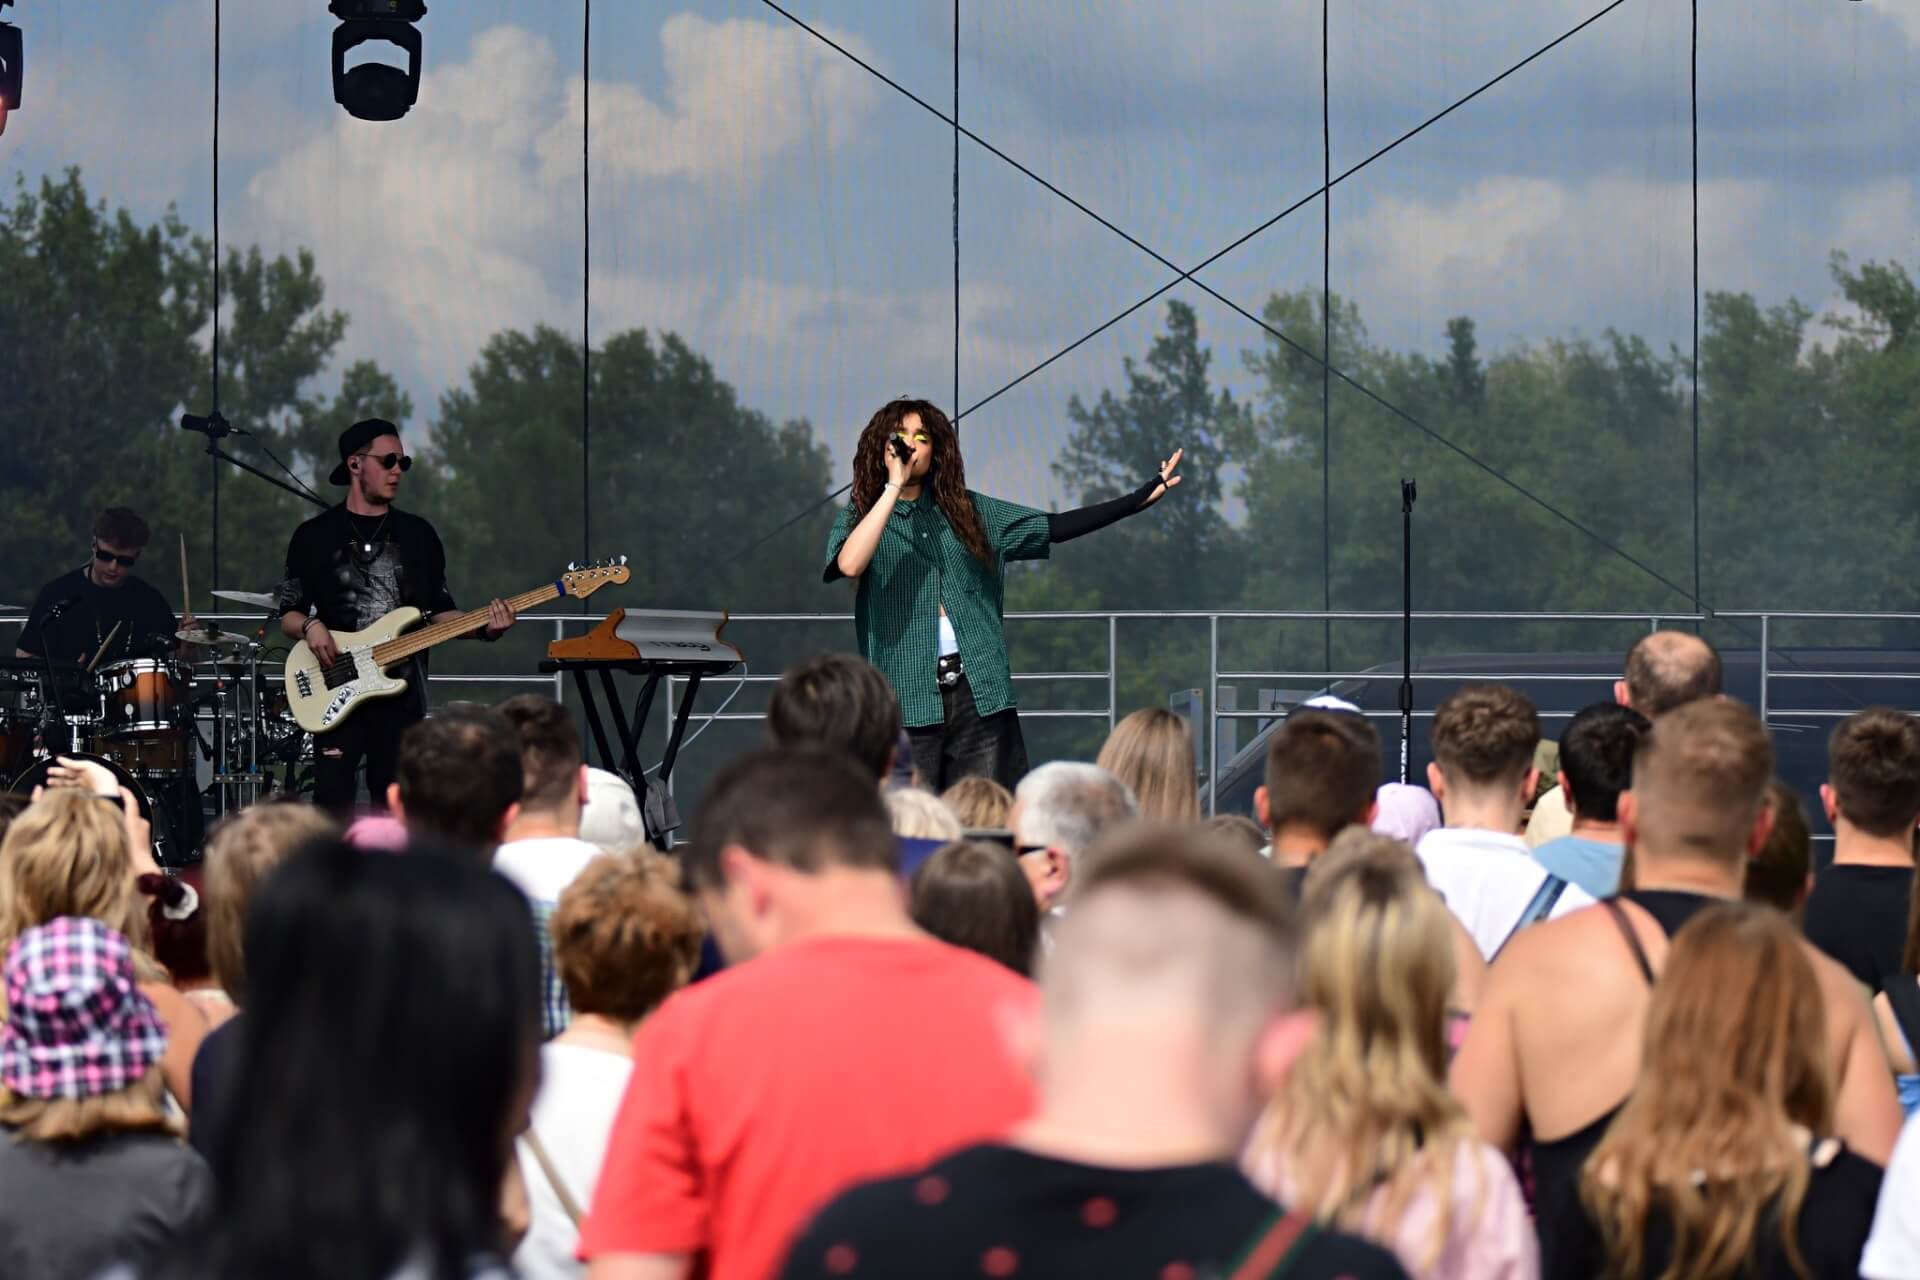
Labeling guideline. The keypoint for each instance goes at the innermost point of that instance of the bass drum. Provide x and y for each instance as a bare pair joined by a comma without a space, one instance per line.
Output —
167,850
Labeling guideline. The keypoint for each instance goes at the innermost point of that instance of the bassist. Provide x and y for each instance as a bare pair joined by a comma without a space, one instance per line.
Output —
346,569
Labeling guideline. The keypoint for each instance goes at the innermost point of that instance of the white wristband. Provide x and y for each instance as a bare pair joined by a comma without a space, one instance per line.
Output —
890,485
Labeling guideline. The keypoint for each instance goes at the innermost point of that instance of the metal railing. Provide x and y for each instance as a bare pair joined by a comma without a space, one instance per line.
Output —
1109,674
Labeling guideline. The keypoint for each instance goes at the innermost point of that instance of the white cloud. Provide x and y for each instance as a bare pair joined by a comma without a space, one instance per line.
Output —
1904,12
1534,256
739,94
463,219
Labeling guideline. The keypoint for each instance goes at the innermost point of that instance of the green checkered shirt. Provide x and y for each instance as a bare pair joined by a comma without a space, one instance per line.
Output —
921,565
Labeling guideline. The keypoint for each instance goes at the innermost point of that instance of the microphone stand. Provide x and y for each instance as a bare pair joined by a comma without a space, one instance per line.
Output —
216,428
1407,496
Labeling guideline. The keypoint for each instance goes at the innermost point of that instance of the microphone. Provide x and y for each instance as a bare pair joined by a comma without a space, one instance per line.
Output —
213,426
900,449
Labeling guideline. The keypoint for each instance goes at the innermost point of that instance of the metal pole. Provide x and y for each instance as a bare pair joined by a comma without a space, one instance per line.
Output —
1765,643
1113,668
1408,494
1213,714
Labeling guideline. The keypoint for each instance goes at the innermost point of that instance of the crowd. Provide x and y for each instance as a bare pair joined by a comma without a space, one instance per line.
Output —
1607,1022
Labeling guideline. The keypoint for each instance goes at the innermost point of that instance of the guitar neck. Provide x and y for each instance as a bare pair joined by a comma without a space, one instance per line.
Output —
461,624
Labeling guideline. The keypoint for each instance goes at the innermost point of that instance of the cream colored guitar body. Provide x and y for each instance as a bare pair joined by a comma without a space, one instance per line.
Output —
320,699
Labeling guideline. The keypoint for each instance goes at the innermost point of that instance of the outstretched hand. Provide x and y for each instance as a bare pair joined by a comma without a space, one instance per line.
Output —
1168,478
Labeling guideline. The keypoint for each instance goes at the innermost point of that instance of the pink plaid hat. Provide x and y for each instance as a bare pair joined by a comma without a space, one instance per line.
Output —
77,1026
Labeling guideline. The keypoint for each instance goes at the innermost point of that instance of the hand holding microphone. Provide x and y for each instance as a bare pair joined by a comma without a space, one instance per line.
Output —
899,459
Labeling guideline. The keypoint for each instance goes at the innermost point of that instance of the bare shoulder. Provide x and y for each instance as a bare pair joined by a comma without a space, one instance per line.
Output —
1547,965
1846,998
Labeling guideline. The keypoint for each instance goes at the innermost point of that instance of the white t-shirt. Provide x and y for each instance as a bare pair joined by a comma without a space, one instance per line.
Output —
580,1091
1893,1250
1488,879
543,867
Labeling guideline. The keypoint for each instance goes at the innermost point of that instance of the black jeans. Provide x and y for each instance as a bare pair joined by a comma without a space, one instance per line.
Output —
370,735
968,744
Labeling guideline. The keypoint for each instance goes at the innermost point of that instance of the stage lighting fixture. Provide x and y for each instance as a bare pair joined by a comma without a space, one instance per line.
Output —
12,73
374,90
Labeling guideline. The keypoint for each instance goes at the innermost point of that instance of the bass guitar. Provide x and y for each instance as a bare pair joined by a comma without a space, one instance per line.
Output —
320,697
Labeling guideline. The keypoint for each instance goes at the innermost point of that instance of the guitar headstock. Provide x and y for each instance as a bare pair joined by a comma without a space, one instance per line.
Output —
583,580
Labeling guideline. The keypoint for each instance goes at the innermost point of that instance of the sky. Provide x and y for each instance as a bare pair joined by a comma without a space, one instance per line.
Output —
790,214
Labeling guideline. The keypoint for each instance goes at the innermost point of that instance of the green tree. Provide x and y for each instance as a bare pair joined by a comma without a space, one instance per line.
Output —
683,475
101,348
1183,554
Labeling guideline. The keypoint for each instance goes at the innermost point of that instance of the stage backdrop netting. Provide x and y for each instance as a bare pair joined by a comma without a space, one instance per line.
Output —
1635,309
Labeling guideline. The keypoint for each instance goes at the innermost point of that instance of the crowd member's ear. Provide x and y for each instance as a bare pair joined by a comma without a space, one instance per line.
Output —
394,806
1566,792
1281,1044
1621,696
1373,812
1628,812
582,793
1828,803
1437,783
507,819
1762,828
1263,807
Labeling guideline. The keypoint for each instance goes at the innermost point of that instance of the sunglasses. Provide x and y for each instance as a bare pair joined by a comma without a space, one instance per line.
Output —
105,556
390,460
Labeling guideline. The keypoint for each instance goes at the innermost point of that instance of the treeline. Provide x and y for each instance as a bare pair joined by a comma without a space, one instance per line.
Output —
1807,494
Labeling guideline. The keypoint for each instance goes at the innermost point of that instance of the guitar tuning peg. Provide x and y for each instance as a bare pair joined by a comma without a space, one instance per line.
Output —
621,560
572,567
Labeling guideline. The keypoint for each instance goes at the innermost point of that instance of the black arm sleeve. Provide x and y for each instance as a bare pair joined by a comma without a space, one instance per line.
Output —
1064,525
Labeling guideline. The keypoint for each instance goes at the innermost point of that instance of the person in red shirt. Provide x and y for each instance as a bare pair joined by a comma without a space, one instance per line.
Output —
843,1044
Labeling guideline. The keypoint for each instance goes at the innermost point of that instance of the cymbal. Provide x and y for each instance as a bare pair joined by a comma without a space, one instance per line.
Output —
258,599
213,638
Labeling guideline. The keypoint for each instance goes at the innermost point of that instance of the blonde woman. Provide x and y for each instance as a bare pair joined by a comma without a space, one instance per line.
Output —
70,854
1363,1133
1720,1164
241,850
919,815
980,803
1152,752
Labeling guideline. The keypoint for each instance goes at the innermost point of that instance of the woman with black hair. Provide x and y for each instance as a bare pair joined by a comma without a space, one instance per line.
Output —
386,1062
930,556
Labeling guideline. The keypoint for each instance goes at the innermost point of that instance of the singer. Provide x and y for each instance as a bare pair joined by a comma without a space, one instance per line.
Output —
73,615
929,556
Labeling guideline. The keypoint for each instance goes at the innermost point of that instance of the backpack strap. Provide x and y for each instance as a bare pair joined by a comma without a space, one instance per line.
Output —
1273,1252
1903,993
1535,911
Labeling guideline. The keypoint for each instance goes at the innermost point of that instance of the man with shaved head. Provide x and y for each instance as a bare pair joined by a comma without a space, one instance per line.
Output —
1556,1041
1168,1015
1664,670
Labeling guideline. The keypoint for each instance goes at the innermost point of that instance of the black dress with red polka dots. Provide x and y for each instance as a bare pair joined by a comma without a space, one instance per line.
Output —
991,1212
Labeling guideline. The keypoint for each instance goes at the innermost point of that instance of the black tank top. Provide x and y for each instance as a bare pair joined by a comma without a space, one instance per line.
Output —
1557,1164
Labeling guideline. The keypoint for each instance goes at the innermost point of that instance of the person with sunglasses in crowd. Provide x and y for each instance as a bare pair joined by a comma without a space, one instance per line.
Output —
347,568
929,556
102,607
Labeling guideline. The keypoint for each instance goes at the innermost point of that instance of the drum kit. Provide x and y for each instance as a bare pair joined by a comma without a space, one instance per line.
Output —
192,740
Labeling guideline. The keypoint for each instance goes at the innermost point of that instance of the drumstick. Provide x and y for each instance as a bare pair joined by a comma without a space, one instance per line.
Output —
103,647
186,594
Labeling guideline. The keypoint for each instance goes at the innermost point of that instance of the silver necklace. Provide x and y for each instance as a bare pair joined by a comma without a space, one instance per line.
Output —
367,540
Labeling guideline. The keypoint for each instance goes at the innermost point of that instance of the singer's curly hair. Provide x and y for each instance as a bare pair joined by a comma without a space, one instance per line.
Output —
946,478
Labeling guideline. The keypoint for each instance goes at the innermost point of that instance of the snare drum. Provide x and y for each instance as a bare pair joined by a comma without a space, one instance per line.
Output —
143,729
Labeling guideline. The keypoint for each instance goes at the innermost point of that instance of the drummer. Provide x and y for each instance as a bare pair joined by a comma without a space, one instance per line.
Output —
74,616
